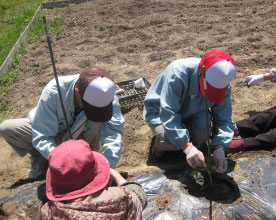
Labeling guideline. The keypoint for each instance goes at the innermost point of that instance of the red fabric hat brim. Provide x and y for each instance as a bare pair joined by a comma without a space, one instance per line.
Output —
214,94
98,183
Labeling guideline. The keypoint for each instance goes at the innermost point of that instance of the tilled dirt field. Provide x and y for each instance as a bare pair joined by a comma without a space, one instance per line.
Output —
139,38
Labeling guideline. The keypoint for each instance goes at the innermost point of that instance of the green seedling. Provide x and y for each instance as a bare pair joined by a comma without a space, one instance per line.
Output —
71,20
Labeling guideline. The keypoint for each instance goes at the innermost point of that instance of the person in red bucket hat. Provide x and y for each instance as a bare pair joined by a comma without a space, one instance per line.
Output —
78,185
174,108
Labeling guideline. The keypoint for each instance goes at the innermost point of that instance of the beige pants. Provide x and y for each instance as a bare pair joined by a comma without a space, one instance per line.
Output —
18,134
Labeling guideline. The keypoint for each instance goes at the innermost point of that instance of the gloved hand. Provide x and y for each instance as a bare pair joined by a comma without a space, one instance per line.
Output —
253,79
220,160
194,157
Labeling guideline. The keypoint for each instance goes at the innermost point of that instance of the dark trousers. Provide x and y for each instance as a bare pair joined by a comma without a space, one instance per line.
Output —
259,131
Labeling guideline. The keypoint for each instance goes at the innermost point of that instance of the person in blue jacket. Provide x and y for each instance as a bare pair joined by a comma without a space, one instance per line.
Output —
174,108
93,114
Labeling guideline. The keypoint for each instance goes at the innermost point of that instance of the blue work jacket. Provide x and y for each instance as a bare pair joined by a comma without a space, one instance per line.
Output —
174,98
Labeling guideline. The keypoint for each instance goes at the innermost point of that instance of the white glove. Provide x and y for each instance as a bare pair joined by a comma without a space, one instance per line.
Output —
220,160
194,157
253,79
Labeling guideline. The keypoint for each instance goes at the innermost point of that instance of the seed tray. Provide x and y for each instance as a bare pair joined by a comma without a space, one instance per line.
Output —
132,96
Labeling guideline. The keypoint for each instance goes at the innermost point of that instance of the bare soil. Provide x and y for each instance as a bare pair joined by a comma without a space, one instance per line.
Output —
139,38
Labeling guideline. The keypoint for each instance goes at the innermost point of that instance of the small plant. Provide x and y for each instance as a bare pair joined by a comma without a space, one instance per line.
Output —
56,25
6,80
36,70
72,21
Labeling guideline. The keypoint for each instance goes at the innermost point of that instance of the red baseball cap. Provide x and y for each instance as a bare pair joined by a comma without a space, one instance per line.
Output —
75,171
220,70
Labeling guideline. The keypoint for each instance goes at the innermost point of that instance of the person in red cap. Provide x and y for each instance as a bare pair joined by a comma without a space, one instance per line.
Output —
258,132
174,108
92,110
78,186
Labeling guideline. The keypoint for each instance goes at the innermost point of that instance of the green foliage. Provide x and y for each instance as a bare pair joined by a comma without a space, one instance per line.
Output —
207,169
37,69
36,30
3,106
3,115
6,80
14,17
56,25
72,21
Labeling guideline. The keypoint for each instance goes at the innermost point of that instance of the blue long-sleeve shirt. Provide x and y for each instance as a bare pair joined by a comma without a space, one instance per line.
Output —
48,120
174,98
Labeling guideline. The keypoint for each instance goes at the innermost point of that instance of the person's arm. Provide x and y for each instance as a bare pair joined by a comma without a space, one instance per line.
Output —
272,75
259,78
117,177
175,85
223,131
112,135
266,76
132,187
174,88
223,125
45,124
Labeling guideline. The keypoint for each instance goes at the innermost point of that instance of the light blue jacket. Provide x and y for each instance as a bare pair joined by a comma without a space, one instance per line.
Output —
174,98
48,120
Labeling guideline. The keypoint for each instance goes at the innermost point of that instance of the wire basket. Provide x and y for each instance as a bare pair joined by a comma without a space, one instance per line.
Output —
132,96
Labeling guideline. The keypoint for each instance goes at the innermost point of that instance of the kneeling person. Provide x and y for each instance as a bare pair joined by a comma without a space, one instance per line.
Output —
92,111
174,107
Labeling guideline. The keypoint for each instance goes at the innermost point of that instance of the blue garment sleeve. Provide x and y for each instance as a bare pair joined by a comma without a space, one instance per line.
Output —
174,87
223,125
45,124
112,134
272,75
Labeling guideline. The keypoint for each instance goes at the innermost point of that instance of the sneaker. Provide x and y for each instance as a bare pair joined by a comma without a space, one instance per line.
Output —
235,146
39,167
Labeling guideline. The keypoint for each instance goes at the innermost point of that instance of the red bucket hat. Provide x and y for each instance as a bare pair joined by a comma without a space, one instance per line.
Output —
220,70
75,171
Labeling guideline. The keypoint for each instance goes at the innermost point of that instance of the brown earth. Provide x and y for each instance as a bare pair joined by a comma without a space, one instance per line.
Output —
139,38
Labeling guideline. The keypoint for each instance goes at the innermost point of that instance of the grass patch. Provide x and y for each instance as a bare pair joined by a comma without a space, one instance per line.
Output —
14,17
11,28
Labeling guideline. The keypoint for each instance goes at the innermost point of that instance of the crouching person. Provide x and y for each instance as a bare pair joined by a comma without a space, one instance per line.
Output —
93,113
78,185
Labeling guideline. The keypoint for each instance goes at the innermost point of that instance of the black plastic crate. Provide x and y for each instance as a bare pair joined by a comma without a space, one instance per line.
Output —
132,96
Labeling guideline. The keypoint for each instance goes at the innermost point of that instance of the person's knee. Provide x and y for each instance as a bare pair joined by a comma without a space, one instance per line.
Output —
5,129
